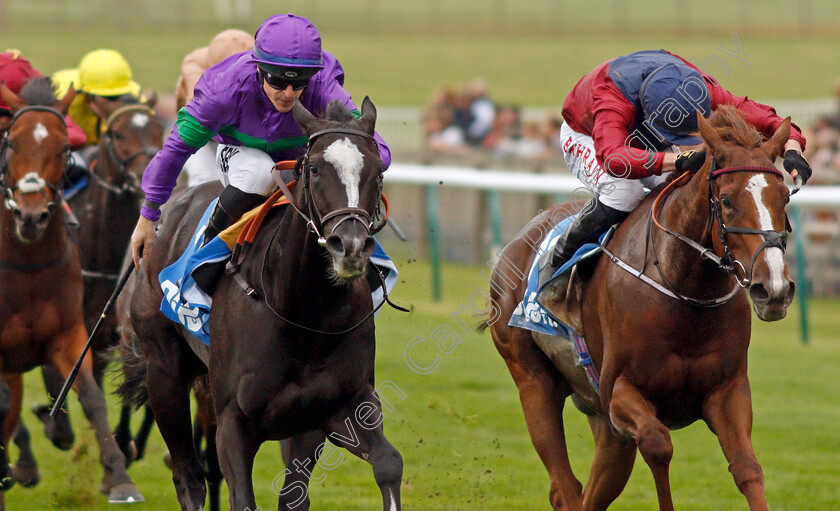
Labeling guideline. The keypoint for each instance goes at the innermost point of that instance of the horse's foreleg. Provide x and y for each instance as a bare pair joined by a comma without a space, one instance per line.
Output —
728,412
360,431
142,437
58,430
633,415
26,469
6,479
300,454
117,482
543,392
237,445
611,467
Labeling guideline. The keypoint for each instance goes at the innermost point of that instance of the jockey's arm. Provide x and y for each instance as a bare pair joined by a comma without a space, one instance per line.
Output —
612,136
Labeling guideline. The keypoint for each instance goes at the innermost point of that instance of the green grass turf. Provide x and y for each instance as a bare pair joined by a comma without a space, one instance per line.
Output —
404,67
462,434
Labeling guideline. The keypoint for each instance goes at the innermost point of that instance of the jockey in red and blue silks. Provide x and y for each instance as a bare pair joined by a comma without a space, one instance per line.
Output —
623,124
244,103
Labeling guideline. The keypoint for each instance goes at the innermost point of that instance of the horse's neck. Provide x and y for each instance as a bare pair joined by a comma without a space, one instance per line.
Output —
50,247
299,272
107,216
687,212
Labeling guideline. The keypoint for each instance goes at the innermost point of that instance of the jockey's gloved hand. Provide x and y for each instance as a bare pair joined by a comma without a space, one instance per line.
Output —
795,161
690,161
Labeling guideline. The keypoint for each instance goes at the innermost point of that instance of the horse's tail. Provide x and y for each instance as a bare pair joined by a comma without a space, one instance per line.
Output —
132,389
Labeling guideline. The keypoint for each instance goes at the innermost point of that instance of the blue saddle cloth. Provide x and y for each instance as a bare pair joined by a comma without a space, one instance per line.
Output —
185,303
529,314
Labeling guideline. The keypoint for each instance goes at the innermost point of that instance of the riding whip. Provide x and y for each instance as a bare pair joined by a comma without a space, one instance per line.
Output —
72,376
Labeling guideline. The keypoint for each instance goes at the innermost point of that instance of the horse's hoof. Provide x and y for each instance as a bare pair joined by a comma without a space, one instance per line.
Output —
61,437
131,455
125,493
8,481
26,476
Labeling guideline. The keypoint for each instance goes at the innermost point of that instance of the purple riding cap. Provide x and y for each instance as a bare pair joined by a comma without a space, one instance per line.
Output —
231,107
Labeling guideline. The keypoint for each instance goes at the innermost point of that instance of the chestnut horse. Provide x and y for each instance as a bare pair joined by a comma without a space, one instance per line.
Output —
664,319
107,210
41,310
295,358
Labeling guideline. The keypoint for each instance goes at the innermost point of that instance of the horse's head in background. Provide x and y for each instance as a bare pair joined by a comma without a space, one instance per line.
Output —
34,156
341,179
748,197
132,135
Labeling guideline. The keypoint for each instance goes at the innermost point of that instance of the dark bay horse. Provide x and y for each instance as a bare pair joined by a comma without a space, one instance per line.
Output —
297,361
41,309
669,352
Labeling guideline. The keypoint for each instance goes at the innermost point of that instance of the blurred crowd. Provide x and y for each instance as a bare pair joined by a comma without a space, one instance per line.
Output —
823,149
460,121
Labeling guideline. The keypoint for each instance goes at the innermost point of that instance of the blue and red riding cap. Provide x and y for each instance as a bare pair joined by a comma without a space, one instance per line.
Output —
288,45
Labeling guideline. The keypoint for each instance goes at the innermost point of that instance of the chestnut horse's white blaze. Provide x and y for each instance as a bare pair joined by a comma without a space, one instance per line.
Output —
348,162
773,255
39,133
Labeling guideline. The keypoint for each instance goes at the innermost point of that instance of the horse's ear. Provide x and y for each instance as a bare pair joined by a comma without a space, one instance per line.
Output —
774,145
10,98
303,117
368,118
708,132
151,101
64,103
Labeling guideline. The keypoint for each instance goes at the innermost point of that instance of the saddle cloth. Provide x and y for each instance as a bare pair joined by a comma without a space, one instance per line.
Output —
185,303
529,314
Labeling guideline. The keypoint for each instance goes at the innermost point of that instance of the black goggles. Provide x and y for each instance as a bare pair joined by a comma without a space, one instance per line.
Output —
281,83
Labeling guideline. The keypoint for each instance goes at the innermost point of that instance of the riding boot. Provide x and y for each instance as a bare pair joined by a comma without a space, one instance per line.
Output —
233,203
594,218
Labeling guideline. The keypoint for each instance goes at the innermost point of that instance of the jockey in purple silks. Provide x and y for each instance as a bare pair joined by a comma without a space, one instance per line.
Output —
244,102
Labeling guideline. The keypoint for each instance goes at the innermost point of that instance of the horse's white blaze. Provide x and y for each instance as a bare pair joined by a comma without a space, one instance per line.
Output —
393,501
348,161
40,133
774,256
139,120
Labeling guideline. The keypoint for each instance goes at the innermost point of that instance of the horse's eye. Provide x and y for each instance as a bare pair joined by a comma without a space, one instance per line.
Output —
117,136
313,170
725,201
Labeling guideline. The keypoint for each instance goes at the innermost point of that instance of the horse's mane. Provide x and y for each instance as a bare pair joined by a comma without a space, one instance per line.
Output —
732,127
39,91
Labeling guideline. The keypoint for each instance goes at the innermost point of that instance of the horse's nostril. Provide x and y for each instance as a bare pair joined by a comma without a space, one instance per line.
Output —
759,293
335,245
44,217
370,245
18,214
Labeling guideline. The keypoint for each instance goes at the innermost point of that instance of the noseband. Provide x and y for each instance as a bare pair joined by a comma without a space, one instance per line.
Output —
32,182
314,220
131,183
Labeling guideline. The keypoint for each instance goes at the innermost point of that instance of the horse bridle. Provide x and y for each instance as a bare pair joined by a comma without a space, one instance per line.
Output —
775,239
131,183
314,220
727,262
343,214
32,182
